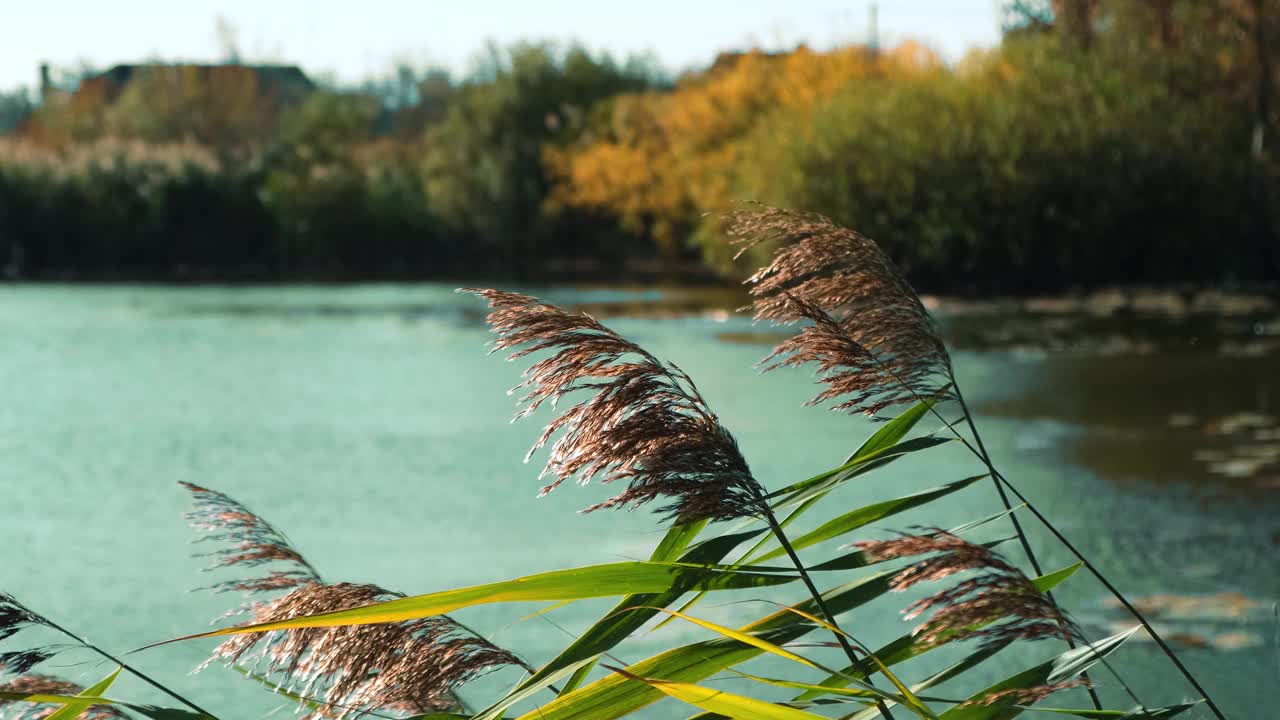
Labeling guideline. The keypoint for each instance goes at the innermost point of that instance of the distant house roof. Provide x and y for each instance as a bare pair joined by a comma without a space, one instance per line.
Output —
284,83
227,89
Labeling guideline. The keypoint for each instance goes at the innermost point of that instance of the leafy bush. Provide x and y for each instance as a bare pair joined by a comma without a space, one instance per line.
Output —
1024,170
482,164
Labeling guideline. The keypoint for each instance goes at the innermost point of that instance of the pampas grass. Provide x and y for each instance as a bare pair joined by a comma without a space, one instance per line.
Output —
644,421
412,667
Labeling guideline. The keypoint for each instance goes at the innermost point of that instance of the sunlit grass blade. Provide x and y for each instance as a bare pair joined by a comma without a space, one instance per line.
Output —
797,685
676,540
609,697
52,698
937,678
593,581
742,637
1134,714
148,711
1065,667
544,610
894,431
831,479
730,705
613,697
908,697
854,560
85,699
616,626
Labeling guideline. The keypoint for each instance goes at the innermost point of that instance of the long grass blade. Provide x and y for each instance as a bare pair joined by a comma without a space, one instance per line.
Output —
618,624
1065,667
864,516
742,637
613,697
86,698
937,678
674,542
593,581
893,431
731,705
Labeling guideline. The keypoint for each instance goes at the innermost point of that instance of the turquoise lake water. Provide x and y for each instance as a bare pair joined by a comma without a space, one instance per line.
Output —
369,424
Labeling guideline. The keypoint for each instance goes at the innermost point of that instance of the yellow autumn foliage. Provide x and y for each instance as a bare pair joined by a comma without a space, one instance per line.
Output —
658,159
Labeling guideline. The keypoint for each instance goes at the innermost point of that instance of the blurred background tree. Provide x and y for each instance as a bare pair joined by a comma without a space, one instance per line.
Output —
1103,141
482,164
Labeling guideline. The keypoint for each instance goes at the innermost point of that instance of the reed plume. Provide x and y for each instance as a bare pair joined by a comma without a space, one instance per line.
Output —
644,423
412,667
249,541
832,276
999,604
1026,696
874,342
15,617
36,684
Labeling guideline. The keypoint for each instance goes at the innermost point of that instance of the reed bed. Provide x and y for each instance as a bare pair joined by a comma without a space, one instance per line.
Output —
624,417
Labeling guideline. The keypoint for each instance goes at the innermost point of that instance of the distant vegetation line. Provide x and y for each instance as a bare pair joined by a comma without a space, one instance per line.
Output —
1114,142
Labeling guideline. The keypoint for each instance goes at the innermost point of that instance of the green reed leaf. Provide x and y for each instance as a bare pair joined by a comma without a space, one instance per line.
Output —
864,516
731,705
1066,666
85,699
613,696
593,581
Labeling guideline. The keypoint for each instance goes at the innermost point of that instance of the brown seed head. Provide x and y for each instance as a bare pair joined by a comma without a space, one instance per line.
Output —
249,541
412,666
14,617
644,421
1025,696
998,605
874,341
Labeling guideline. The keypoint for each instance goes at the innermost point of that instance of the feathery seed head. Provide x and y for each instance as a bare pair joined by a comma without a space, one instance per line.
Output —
644,421
249,541
412,666
873,340
998,605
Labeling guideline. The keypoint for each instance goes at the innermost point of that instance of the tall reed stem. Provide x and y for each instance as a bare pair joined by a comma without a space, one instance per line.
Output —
129,668
778,532
1017,527
1003,482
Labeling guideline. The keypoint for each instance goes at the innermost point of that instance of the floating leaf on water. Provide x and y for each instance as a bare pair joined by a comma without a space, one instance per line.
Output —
1220,606
1235,641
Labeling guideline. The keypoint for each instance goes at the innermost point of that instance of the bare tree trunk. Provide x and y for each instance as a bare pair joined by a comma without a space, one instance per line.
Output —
1074,20
1262,98
1163,10
1261,126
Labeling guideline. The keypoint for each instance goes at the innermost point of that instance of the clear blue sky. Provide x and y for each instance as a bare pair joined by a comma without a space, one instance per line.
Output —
353,39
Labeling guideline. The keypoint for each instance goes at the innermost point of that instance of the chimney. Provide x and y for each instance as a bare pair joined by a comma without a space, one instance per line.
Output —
45,84
873,28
